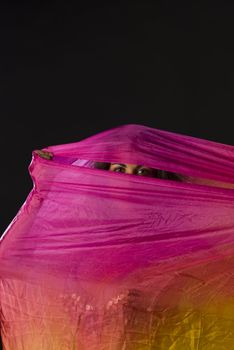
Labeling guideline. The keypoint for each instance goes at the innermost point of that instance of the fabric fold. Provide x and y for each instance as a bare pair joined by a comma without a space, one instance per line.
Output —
98,260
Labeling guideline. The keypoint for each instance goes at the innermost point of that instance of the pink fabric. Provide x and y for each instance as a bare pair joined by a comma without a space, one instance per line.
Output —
98,260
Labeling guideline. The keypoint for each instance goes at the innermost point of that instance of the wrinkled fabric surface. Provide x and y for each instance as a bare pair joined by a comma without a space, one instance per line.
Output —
98,260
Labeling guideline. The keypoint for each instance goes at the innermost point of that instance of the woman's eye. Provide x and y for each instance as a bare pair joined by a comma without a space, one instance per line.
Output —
144,172
119,169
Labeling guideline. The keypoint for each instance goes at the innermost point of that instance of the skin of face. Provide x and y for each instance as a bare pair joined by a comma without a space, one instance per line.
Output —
131,169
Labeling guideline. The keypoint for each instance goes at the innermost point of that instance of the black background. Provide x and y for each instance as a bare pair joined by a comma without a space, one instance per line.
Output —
69,71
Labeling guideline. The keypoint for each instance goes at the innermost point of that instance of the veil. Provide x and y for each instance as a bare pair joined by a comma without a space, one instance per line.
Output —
98,260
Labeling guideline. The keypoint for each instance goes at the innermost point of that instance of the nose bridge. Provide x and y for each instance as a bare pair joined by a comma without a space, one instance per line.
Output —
130,168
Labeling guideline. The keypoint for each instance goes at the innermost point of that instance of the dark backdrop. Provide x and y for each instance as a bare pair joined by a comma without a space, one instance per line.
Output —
69,71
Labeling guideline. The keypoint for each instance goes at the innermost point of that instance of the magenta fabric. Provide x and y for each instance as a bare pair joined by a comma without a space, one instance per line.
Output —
98,260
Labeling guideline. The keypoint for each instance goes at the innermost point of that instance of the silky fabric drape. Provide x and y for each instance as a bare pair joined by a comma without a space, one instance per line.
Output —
98,260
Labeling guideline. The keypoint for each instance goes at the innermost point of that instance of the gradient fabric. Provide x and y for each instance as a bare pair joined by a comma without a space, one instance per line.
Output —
99,260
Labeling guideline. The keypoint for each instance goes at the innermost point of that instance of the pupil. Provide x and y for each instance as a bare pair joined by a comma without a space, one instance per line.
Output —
143,171
120,169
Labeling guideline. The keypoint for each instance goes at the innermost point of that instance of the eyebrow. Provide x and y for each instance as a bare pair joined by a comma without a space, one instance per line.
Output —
124,165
